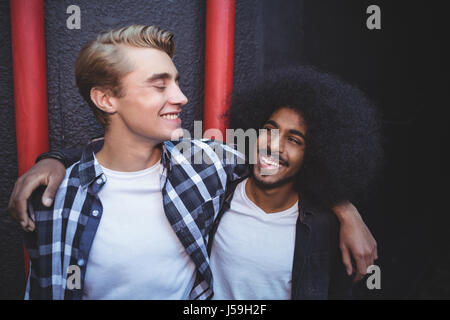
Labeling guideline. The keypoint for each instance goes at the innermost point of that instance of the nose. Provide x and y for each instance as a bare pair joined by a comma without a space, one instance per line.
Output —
178,97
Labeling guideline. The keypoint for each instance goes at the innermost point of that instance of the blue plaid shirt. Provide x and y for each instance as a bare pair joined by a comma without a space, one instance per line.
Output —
193,183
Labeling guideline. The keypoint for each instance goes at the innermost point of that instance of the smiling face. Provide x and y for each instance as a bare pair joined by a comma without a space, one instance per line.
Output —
279,159
151,103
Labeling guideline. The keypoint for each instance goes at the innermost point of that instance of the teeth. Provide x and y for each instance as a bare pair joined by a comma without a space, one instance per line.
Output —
270,161
170,116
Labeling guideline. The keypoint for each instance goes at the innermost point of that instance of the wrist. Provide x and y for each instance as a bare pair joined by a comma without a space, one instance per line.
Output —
52,155
345,212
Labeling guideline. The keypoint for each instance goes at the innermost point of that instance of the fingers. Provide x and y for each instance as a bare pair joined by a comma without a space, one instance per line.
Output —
346,260
375,254
369,257
30,226
372,250
21,216
14,204
50,191
364,260
11,203
374,247
48,172
369,262
23,189
372,243
27,224
361,267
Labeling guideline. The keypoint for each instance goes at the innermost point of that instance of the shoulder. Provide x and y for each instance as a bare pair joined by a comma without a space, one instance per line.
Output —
323,223
70,181
204,151
315,208
201,144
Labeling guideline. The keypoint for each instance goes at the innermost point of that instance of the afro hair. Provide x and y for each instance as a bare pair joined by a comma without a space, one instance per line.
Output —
343,147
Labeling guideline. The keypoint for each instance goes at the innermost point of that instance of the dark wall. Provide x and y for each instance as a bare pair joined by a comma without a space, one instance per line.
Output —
399,67
11,255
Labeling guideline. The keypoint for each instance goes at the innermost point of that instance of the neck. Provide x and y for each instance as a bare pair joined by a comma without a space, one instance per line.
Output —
271,200
126,152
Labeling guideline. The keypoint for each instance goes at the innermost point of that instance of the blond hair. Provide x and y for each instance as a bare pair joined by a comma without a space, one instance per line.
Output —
101,63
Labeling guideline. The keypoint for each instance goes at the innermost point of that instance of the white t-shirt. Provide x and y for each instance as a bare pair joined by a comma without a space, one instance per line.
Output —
135,253
253,252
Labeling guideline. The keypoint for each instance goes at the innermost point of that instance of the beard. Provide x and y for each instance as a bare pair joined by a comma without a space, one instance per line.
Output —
270,185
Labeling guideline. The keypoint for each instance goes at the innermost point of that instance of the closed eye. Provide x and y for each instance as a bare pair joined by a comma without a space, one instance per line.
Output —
295,140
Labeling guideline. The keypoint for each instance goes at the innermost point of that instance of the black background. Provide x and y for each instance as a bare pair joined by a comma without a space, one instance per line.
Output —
402,67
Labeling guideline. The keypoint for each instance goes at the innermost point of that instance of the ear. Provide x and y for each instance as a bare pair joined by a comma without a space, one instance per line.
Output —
103,99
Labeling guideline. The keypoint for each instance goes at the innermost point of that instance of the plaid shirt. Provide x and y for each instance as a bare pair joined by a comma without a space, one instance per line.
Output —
193,183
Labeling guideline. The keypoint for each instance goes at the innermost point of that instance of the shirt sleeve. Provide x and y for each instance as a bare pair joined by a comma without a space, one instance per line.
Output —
38,270
234,162
69,156
341,284
66,156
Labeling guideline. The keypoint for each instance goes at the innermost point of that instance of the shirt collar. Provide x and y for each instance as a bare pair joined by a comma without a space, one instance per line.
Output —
165,154
89,169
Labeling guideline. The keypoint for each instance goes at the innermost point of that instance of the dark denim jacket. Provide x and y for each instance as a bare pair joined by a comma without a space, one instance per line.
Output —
318,272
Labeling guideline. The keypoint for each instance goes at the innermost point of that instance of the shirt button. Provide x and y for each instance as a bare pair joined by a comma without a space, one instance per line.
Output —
81,262
95,213
99,181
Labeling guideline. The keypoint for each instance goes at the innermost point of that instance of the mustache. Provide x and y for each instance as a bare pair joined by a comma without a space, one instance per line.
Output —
281,160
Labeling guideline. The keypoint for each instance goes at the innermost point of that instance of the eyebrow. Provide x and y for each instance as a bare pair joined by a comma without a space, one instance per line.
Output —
162,76
292,131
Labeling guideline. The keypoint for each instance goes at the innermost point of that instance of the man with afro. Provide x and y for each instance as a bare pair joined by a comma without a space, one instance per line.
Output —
277,237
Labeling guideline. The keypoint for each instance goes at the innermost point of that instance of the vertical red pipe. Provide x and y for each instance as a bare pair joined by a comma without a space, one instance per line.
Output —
30,82
219,61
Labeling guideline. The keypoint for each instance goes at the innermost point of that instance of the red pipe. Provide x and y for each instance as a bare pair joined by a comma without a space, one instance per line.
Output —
219,61
30,82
